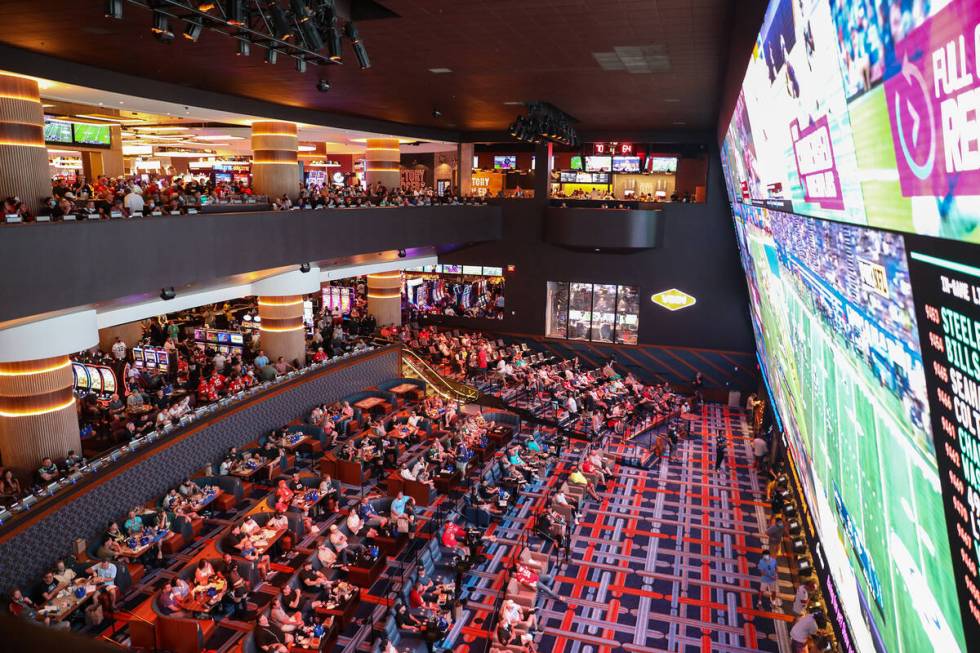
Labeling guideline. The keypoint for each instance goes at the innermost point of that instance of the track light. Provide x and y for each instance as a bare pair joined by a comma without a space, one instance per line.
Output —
244,46
304,268
300,65
359,51
334,40
166,294
205,6
323,86
271,56
402,253
280,24
193,28
311,34
436,113
161,27
235,12
114,9
301,11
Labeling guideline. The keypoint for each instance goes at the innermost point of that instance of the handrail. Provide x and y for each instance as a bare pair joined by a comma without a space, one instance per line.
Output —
448,388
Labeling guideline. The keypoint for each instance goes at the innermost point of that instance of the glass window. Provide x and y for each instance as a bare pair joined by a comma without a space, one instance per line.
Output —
557,314
603,312
627,315
594,312
579,311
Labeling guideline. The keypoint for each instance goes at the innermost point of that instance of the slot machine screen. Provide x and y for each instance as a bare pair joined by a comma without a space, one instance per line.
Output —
212,336
138,357
81,376
224,337
224,349
151,358
163,359
237,339
95,379
108,380
200,335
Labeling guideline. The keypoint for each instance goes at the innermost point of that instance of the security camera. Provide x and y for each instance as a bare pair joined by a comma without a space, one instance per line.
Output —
304,268
166,294
401,253
436,113
323,86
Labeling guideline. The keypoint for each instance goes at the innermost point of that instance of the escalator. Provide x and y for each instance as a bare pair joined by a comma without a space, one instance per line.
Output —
415,367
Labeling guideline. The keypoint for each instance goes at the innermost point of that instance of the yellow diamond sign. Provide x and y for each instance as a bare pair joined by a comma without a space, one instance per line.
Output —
673,299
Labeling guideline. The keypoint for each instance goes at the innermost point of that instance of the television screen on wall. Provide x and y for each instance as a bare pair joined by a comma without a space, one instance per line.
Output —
92,134
598,163
857,211
57,131
505,162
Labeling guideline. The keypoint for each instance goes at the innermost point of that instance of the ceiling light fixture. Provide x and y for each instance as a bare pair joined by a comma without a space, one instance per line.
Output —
280,23
235,12
323,86
161,27
114,9
301,10
334,37
359,50
193,28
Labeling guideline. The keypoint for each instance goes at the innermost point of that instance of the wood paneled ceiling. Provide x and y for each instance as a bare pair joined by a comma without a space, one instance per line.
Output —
612,64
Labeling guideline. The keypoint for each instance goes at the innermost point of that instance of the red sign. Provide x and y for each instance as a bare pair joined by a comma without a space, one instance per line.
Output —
618,149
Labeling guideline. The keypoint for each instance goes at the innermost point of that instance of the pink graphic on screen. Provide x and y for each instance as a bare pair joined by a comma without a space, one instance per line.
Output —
932,105
814,154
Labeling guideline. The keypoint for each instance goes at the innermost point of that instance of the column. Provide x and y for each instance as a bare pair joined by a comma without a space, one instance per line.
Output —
542,171
23,157
280,299
275,170
465,169
385,298
383,162
282,328
38,416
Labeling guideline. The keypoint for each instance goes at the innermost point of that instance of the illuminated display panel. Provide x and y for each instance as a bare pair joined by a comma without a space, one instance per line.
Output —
863,113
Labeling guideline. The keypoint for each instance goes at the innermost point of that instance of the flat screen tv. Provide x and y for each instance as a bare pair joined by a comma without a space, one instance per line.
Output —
576,163
57,131
626,164
662,164
598,163
504,162
92,134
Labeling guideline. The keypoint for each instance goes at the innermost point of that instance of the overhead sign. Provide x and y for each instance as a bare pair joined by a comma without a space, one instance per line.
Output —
673,299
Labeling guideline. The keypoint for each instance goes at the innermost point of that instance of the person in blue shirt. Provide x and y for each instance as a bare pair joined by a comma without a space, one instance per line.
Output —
370,516
404,519
261,360
769,578
133,525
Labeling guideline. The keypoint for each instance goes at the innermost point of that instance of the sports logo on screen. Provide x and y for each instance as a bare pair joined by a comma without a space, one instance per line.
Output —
933,103
814,154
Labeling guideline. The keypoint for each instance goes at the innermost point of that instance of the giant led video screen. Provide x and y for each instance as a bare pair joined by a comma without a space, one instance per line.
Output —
852,162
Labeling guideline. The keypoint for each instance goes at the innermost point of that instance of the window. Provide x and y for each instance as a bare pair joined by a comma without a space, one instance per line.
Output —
556,319
593,312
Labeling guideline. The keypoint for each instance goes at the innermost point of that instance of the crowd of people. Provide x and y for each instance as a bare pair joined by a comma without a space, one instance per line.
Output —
145,195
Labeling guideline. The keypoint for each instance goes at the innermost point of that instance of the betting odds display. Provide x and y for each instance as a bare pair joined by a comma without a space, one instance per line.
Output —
852,160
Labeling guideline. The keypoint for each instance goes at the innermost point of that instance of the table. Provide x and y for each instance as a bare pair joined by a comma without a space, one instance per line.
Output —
264,538
401,431
206,500
292,442
404,388
198,600
249,472
127,551
63,605
369,402
299,499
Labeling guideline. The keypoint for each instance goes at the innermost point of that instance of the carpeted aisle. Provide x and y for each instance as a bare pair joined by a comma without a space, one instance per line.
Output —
666,561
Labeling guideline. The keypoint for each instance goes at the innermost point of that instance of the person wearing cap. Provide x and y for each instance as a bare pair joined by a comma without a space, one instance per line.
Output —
806,627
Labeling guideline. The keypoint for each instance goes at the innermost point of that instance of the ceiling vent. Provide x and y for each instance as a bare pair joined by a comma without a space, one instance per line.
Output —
637,59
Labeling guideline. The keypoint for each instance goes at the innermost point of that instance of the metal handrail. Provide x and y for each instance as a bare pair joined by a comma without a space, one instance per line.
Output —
448,388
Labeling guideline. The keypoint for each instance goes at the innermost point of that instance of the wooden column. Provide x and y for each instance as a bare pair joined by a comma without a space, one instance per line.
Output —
383,162
385,297
464,184
38,417
275,170
282,328
23,157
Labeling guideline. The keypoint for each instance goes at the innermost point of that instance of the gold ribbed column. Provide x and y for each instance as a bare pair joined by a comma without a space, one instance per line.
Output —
23,157
37,412
385,297
282,328
383,162
275,171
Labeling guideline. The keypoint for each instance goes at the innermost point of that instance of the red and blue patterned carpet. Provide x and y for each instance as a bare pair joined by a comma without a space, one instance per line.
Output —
665,561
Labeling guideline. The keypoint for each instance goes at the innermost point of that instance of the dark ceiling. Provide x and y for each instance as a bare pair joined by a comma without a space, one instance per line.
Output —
499,51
